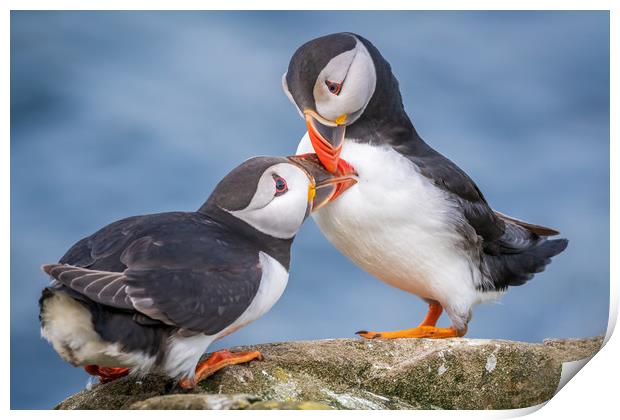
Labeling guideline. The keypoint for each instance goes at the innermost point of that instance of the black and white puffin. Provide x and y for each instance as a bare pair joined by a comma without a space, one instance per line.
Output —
415,220
151,293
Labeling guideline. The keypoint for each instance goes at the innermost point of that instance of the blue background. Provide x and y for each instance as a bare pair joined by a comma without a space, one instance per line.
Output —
122,113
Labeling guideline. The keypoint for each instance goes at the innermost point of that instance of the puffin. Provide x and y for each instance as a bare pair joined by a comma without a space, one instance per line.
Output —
414,220
150,293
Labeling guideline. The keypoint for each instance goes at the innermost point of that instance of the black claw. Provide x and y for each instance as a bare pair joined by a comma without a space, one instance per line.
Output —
376,335
361,332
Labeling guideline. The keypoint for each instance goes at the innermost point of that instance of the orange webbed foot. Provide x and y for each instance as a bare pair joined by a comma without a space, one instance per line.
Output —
426,329
106,374
217,361
418,332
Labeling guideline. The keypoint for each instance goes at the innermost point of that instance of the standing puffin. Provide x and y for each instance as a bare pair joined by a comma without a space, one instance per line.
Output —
415,220
151,293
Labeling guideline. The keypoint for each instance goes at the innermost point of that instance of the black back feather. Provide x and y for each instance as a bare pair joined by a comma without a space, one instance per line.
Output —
144,276
515,269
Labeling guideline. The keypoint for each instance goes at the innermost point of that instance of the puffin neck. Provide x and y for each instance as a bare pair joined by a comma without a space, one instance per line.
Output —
384,120
280,249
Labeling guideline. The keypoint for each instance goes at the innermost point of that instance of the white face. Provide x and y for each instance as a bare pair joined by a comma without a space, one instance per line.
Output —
345,85
280,203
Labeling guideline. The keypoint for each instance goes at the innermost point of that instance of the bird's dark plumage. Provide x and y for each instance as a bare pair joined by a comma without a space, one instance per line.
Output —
133,264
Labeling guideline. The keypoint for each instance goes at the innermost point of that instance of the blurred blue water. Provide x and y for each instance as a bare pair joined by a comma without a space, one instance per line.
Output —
122,113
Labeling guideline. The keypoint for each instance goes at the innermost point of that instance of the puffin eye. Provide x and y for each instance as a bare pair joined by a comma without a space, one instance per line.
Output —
333,87
281,186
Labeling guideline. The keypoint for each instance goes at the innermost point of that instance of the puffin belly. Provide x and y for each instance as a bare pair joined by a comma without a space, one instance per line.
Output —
396,225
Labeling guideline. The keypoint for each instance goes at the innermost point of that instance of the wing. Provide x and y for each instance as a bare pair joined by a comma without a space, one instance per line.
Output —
102,250
186,273
105,287
450,178
500,233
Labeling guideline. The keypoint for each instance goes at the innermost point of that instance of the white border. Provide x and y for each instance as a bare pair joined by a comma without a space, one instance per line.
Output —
314,5
593,394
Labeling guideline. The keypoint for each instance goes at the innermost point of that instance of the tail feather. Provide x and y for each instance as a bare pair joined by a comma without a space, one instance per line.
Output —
516,269
537,229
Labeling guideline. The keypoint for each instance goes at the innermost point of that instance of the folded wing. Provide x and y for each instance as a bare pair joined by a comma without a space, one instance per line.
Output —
182,270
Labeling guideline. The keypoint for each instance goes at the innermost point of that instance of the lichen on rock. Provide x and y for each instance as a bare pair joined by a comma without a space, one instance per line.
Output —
196,402
362,374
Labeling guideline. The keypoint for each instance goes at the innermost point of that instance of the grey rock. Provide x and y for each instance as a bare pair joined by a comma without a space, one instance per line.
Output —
196,402
363,374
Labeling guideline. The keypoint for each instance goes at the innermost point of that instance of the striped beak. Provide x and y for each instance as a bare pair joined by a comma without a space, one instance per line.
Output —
326,138
325,187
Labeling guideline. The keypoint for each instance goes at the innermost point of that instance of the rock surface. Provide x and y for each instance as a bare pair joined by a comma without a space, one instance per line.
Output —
363,374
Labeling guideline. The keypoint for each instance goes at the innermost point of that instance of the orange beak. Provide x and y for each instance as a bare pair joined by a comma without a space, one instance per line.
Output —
346,177
326,186
326,138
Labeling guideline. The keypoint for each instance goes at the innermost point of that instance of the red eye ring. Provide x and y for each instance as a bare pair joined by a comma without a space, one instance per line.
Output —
281,185
333,87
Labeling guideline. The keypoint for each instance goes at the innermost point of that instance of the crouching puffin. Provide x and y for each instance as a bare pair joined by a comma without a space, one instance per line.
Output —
151,293
415,220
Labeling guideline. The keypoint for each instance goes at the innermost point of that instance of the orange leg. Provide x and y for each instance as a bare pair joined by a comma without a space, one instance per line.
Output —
433,314
106,374
217,361
426,329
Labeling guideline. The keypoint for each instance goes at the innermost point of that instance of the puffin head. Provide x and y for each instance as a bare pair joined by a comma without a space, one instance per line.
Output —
274,195
331,81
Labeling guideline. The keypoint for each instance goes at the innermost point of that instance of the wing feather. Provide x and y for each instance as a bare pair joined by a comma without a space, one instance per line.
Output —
168,268
104,287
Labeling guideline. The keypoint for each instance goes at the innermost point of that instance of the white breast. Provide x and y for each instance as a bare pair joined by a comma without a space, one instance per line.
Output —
184,352
397,226
272,285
